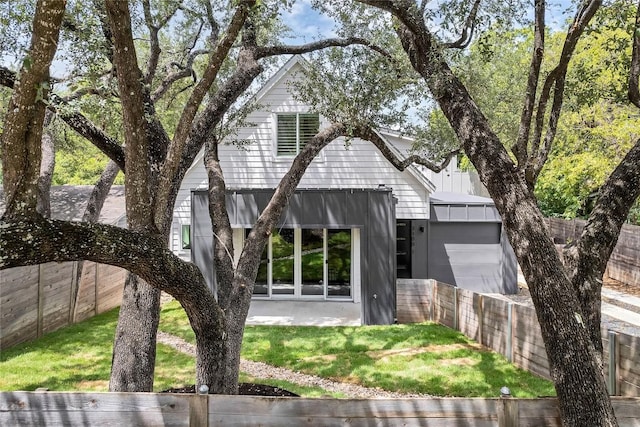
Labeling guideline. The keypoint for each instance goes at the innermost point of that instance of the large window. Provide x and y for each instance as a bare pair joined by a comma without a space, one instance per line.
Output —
294,131
307,263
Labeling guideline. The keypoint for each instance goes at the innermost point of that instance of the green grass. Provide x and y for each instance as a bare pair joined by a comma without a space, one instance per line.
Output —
423,358
78,357
419,358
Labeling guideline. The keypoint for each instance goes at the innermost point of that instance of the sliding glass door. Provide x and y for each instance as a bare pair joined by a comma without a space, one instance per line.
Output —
312,263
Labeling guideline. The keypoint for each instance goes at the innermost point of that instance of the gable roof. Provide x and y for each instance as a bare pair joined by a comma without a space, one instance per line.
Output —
283,73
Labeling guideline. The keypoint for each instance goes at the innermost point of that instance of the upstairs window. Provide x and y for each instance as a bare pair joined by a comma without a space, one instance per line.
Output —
294,131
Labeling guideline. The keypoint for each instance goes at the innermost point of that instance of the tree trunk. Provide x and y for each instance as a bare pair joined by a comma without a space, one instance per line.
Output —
134,348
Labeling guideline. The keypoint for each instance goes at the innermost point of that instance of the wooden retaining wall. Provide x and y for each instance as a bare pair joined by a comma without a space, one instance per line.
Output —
157,409
510,329
624,264
37,299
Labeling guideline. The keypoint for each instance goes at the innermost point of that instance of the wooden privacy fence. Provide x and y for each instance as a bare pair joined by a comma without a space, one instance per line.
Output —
510,329
624,264
158,409
38,299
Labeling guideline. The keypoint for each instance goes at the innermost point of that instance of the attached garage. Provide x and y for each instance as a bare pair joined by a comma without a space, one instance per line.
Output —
467,245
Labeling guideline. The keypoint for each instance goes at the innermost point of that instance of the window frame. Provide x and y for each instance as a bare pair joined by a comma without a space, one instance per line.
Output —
276,141
185,244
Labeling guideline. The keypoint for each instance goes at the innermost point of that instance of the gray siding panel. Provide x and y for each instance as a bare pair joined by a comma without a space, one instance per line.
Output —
335,208
313,209
509,267
202,238
357,205
247,209
378,296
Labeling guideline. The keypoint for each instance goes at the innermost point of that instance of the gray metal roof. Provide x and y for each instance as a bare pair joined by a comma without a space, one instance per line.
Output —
68,203
443,197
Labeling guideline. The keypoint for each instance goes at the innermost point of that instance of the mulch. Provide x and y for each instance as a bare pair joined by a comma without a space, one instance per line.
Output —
247,389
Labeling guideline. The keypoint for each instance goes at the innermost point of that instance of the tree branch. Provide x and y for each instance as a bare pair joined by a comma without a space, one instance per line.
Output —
184,71
223,245
154,30
520,148
270,216
587,261
248,69
176,151
264,51
555,81
467,31
109,146
29,241
78,122
136,126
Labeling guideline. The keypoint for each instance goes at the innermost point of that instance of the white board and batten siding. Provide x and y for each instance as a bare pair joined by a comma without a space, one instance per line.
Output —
355,165
451,179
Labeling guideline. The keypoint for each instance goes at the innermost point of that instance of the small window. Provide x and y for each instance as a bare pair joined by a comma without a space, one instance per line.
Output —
294,131
185,236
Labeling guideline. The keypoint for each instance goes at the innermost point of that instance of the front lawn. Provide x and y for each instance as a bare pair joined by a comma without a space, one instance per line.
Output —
422,358
419,358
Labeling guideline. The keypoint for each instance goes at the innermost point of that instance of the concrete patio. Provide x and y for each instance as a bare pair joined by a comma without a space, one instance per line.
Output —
304,313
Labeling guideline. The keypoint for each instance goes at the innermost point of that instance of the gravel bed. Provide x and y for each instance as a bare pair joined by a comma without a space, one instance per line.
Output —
262,370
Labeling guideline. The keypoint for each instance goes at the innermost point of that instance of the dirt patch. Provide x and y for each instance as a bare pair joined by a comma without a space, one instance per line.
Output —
245,389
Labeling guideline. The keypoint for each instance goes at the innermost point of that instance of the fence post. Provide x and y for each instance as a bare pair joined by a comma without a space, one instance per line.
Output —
40,319
612,384
432,308
480,316
96,278
509,337
508,412
455,308
198,410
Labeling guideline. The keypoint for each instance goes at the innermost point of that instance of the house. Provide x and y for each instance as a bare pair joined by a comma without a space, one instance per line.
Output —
354,226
